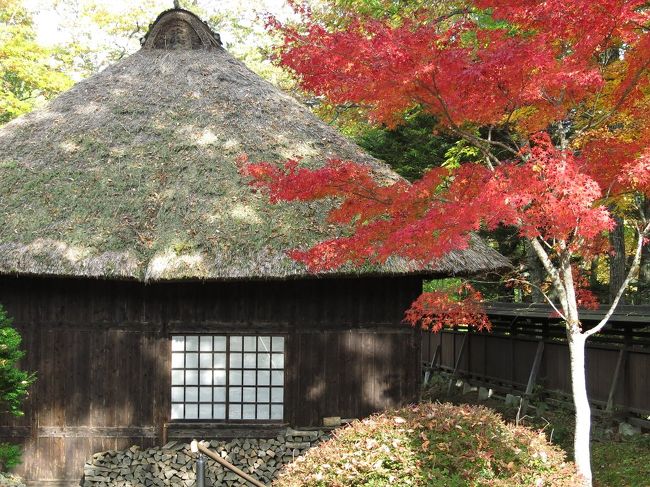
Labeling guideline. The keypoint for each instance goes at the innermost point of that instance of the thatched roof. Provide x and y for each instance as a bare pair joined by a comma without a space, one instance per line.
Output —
132,174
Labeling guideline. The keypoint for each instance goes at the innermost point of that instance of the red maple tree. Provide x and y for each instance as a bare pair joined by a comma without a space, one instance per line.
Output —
555,96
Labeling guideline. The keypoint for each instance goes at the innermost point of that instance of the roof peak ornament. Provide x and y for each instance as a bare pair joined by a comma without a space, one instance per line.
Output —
180,29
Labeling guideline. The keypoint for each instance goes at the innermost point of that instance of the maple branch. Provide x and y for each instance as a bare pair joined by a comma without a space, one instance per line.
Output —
633,270
546,296
550,268
479,142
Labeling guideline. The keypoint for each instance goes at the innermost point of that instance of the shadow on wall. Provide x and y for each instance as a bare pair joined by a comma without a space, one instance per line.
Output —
98,387
352,373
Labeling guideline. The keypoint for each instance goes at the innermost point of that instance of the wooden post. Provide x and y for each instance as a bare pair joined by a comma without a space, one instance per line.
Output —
615,380
427,374
532,378
460,356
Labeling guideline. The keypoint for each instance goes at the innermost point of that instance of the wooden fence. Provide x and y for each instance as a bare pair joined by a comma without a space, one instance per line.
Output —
527,337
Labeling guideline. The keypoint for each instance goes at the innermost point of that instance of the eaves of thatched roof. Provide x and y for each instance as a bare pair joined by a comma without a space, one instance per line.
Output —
132,174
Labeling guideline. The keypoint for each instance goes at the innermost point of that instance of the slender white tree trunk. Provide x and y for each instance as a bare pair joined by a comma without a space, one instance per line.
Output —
581,402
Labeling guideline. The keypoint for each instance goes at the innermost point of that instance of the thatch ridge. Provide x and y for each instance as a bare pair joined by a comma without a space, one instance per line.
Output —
209,39
131,174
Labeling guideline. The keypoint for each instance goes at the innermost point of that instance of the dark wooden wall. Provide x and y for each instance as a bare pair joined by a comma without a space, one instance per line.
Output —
102,353
503,358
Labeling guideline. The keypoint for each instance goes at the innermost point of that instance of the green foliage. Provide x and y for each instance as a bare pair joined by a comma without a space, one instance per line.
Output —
410,148
14,382
460,152
432,444
10,456
29,72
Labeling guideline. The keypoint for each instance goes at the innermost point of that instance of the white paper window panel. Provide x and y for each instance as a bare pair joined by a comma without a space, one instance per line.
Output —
205,394
178,360
277,394
178,394
263,394
191,377
263,378
219,344
191,394
191,360
235,344
219,361
250,360
178,343
248,394
277,411
263,411
264,360
205,411
219,377
178,377
206,377
191,343
264,344
235,360
234,411
219,394
249,377
206,343
248,411
178,411
277,361
205,360
219,411
277,377
234,394
235,377
191,411
278,344
250,344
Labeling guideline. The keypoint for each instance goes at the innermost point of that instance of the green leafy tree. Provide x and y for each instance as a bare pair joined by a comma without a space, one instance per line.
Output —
29,72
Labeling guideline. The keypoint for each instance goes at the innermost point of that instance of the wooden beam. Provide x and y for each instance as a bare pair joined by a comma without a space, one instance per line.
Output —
427,374
457,365
532,378
615,380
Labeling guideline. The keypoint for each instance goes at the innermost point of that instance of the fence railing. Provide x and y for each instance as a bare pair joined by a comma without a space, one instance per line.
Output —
527,348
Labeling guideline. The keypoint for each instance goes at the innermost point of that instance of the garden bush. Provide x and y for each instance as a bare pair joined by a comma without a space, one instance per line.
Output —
432,444
14,385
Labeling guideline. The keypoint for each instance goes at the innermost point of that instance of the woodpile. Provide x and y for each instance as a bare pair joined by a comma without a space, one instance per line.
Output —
175,465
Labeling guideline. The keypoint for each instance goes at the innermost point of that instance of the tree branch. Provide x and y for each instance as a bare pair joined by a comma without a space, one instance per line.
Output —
552,271
633,269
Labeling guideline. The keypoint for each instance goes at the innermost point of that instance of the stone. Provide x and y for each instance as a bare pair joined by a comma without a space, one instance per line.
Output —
484,393
513,400
332,421
468,388
628,430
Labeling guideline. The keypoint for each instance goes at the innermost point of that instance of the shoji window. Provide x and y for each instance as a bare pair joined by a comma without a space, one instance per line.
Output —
227,377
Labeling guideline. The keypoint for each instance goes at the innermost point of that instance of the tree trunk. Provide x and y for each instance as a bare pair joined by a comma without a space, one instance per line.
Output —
617,259
644,269
536,272
581,438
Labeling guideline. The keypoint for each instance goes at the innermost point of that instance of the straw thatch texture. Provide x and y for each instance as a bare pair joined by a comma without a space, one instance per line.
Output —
132,174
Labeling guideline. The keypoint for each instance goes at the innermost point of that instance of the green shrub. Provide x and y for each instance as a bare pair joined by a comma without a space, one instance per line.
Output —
432,444
14,382
10,456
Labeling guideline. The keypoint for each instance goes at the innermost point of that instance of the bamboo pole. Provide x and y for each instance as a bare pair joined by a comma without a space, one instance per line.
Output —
196,446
